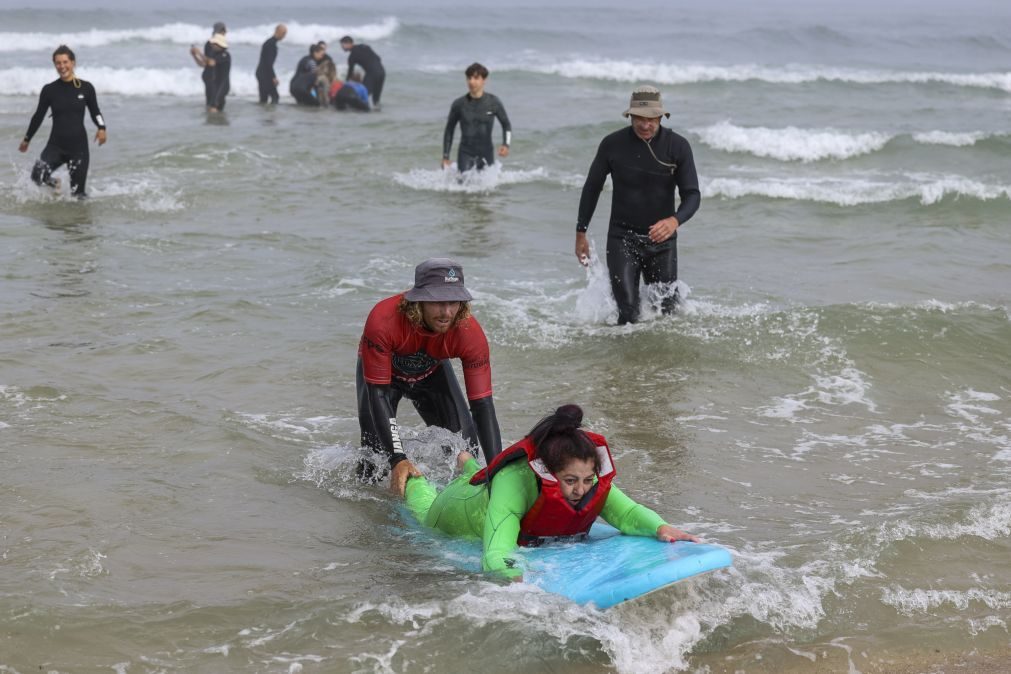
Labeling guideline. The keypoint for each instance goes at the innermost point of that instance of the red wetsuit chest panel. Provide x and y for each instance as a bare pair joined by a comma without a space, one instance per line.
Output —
392,347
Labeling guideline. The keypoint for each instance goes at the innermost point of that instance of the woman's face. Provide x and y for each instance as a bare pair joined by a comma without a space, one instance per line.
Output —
64,66
575,479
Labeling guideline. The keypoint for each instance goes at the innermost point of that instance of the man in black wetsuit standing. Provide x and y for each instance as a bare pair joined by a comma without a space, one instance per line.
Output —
363,56
67,97
647,163
476,112
265,75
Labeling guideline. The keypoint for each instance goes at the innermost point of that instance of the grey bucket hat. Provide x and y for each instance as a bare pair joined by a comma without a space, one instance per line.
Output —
438,279
646,102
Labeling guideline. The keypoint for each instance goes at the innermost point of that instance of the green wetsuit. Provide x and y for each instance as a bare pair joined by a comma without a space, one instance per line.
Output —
470,511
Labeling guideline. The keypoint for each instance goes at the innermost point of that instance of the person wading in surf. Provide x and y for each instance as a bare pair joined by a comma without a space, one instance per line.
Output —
67,97
647,164
404,352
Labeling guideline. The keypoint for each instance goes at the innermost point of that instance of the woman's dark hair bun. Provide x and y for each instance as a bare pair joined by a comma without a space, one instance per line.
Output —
569,417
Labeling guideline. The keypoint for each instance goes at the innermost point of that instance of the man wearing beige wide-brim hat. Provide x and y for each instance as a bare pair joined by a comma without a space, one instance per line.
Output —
649,166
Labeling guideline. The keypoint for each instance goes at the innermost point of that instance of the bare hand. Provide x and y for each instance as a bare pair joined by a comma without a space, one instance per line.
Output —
23,147
663,229
446,163
669,534
503,150
276,81
100,137
582,249
398,478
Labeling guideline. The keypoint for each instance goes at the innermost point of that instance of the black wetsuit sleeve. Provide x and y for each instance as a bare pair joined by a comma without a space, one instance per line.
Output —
503,119
451,122
488,434
377,397
599,169
40,114
96,114
688,185
352,62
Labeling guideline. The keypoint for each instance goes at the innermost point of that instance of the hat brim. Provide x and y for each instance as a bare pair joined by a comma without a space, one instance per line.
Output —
438,294
646,112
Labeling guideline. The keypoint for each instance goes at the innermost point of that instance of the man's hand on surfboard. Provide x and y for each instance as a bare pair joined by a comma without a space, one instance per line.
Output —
669,534
398,478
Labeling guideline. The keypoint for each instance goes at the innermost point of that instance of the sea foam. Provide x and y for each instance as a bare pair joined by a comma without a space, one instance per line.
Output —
189,33
791,143
927,189
681,73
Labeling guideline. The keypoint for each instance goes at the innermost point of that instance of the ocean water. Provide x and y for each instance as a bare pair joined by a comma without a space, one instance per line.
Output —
177,409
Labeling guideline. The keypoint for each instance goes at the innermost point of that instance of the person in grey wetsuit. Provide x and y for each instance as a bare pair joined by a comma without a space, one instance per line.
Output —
476,112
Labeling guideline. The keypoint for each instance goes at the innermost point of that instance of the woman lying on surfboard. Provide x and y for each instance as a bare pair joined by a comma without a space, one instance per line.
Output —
550,485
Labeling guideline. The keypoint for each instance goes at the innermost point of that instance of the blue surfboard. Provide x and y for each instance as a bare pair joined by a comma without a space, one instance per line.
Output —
608,568
605,569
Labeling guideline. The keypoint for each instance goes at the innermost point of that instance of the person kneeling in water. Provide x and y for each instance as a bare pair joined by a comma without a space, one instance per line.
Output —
550,485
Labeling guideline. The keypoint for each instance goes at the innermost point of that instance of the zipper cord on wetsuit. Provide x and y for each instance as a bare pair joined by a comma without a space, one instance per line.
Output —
672,167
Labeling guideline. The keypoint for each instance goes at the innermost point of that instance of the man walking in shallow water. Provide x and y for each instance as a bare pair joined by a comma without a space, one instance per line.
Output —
648,164
476,112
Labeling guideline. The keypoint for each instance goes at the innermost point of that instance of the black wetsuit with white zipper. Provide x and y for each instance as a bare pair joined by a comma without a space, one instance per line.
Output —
644,193
68,139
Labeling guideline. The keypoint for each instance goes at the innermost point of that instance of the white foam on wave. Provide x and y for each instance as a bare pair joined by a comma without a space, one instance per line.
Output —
475,182
990,521
950,138
688,73
928,189
127,81
639,642
969,405
791,143
189,33
917,600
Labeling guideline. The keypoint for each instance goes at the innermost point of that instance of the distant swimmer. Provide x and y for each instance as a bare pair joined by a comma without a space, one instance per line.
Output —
476,112
205,59
364,57
265,75
67,98
405,352
351,94
647,163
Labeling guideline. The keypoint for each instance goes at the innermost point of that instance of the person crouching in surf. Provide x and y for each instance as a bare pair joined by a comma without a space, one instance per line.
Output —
404,353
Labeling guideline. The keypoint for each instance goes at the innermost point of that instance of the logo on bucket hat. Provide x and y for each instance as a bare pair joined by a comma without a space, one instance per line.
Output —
438,279
646,102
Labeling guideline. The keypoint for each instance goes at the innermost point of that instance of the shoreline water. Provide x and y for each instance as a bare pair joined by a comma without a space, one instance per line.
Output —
177,405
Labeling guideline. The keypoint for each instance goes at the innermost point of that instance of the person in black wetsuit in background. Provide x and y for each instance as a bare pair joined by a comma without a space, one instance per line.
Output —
476,111
647,163
363,56
205,60
265,75
67,97
221,63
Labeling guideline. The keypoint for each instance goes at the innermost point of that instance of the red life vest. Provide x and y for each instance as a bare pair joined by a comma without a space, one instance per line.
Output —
551,516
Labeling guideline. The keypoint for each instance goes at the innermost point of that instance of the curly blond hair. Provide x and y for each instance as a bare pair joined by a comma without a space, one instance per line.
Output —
412,310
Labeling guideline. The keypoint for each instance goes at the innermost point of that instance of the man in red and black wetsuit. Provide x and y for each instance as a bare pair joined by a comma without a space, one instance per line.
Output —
405,351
